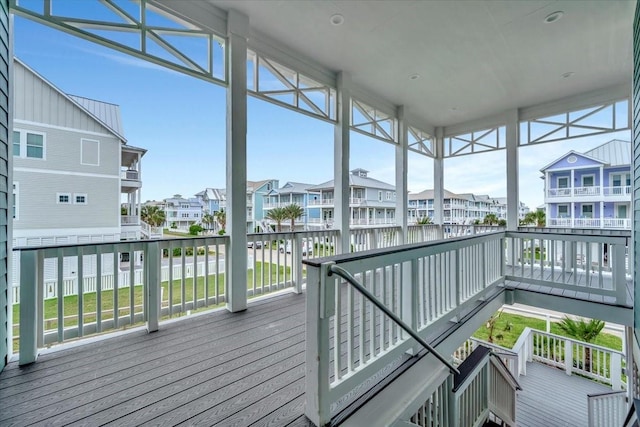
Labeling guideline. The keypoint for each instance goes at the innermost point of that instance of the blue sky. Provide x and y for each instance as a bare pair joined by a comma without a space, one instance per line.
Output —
180,120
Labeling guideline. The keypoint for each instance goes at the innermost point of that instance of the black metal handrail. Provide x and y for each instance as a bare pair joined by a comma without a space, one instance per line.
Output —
349,278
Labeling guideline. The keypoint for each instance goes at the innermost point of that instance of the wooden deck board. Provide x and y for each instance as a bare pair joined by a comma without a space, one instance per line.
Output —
551,398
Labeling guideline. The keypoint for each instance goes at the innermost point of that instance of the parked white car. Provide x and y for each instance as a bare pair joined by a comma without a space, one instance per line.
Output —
307,248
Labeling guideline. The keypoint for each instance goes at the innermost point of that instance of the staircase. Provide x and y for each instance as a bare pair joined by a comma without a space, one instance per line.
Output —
149,233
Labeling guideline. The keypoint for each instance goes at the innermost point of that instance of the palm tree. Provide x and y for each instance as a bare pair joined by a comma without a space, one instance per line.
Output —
424,220
278,215
293,212
152,215
490,219
537,218
583,331
207,220
221,218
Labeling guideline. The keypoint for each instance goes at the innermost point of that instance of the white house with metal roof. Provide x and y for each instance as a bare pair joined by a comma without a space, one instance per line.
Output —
72,167
590,189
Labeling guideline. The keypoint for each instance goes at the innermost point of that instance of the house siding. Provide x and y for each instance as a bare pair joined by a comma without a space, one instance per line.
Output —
5,166
36,101
40,210
581,161
636,167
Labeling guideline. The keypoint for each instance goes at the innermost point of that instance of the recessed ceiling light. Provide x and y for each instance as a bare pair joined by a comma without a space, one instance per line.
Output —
336,19
553,17
567,74
414,76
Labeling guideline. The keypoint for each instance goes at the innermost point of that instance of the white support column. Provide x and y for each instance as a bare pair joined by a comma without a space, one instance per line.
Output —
237,33
438,182
341,144
402,195
513,200
601,194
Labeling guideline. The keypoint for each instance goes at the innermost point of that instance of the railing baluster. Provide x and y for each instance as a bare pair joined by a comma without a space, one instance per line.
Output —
132,299
116,287
80,292
170,283
60,294
99,253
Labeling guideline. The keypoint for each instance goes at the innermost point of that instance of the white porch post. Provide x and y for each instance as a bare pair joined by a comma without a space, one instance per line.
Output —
601,194
236,167
438,182
341,143
513,200
402,196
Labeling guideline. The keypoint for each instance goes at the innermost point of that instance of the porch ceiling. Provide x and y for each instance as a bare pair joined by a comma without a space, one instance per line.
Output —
475,59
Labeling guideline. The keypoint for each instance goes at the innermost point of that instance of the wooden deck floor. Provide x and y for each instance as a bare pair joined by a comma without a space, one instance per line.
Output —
551,398
221,368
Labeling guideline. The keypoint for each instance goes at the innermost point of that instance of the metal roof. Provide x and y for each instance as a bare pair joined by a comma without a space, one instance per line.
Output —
109,114
614,153
357,181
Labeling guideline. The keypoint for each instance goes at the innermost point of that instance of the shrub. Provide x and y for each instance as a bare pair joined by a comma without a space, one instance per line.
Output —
194,229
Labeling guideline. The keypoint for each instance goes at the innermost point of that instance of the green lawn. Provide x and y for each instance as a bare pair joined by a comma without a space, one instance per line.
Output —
271,275
508,328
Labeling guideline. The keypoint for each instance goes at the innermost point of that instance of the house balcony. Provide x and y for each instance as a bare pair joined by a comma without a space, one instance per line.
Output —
282,343
130,180
271,205
619,193
321,202
606,223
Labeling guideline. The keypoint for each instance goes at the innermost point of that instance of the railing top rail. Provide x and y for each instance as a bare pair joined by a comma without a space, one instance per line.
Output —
577,231
575,341
334,269
195,240
607,393
596,238
448,244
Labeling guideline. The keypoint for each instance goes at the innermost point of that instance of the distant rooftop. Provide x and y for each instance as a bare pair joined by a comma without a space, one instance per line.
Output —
614,153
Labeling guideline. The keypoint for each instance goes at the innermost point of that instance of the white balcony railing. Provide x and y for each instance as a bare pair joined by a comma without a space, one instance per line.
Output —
592,191
129,220
610,223
321,202
586,191
617,191
130,175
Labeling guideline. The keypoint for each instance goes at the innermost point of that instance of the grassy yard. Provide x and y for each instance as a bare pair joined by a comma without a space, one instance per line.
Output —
70,303
508,328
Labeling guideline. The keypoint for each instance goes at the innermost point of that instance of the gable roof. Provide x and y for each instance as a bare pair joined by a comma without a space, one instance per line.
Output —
612,153
252,186
75,102
292,188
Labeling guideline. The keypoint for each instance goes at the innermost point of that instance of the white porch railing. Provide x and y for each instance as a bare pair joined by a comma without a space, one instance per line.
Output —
607,409
586,222
594,264
586,191
624,190
129,219
149,232
559,192
421,285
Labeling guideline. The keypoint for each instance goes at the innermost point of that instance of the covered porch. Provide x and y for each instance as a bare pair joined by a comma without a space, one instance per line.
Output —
443,289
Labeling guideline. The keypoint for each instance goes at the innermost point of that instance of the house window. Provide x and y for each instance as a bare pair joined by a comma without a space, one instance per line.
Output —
184,206
195,215
63,198
563,211
80,199
379,196
185,215
15,205
16,143
588,180
388,195
587,211
28,144
563,182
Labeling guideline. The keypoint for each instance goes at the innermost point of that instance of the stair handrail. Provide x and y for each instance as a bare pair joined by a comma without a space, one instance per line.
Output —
335,269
